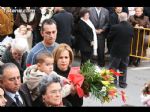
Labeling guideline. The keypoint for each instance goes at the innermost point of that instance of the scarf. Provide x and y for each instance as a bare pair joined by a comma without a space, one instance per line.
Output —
90,24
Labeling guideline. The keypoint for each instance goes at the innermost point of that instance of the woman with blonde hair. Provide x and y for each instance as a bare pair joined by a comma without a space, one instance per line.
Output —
63,59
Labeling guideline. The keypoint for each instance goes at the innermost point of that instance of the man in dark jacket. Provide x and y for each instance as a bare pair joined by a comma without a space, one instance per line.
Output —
121,35
65,22
17,95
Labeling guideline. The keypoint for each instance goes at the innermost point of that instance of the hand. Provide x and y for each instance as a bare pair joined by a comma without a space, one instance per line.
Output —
92,43
137,26
29,27
73,90
99,31
67,81
2,104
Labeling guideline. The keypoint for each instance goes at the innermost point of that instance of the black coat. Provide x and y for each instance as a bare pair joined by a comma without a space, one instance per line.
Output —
39,102
25,95
85,36
147,11
65,24
121,34
73,99
113,19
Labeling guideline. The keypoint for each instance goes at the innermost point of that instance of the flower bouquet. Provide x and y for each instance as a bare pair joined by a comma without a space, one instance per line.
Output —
91,79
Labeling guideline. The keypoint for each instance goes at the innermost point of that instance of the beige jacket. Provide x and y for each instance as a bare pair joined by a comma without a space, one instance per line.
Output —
32,77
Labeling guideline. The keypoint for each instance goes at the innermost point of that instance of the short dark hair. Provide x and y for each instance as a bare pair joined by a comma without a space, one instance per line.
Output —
83,11
49,22
46,81
5,66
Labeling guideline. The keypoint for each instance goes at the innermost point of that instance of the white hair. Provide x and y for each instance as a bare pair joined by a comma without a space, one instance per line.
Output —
20,44
123,16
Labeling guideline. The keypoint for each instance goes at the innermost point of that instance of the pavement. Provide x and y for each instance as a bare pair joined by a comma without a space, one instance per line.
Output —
136,78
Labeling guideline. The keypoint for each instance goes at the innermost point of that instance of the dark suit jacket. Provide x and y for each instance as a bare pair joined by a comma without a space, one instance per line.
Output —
85,36
25,95
121,35
65,24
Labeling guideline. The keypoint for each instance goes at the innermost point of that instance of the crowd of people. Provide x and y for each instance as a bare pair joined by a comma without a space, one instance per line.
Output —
40,44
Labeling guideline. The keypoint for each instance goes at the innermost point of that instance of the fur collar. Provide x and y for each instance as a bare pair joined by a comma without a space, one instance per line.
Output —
24,17
140,17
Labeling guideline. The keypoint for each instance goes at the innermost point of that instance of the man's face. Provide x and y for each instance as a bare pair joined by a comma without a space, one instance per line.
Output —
16,54
49,33
11,79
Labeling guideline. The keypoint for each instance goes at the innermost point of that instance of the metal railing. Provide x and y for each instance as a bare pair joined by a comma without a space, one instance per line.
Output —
140,44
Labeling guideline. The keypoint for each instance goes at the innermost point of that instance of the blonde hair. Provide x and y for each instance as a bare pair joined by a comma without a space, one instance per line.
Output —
60,49
139,8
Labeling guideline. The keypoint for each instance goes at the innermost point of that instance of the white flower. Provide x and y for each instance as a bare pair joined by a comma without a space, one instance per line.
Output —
97,69
103,88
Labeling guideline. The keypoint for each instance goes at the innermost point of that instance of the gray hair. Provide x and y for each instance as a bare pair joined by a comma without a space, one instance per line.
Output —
20,44
46,81
123,16
6,66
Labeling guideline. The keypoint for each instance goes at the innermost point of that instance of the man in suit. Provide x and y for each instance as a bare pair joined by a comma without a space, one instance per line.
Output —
17,94
100,19
121,35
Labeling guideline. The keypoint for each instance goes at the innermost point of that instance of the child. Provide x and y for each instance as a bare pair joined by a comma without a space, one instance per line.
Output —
34,74
145,96
24,31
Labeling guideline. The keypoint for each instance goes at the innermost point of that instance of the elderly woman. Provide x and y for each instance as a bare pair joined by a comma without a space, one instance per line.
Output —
138,20
2,98
51,93
16,53
63,58
87,36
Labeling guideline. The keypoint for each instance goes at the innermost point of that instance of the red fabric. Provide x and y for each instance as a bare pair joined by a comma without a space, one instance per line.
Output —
123,96
77,79
115,73
27,65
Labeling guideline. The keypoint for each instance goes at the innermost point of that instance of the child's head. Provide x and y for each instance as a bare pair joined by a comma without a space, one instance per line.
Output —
146,89
23,29
45,62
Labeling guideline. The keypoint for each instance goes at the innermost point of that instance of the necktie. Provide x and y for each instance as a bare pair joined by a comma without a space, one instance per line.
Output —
18,101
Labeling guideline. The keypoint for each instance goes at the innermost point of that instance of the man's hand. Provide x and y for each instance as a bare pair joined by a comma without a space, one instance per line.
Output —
99,31
92,43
